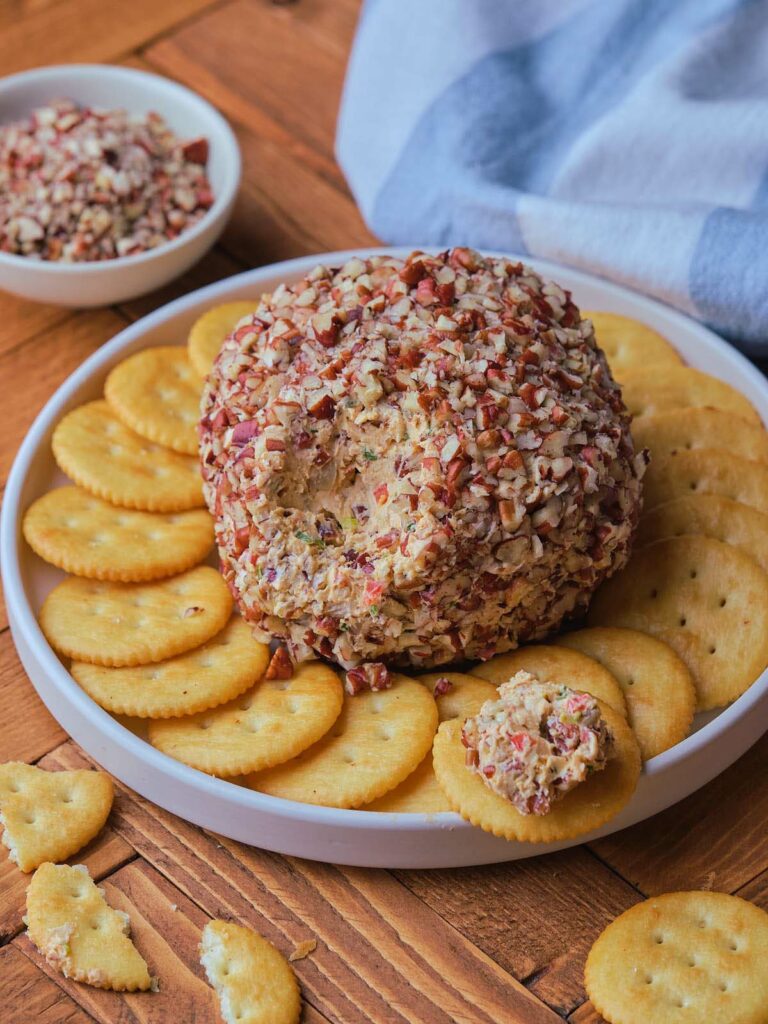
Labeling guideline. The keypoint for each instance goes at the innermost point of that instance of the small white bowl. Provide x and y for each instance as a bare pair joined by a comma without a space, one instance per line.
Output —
104,85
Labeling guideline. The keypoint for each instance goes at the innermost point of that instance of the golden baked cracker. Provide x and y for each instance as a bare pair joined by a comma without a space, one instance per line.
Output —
209,332
135,623
254,982
707,600
648,390
555,665
420,792
156,393
586,807
96,450
713,516
378,739
683,956
230,663
49,816
79,935
706,471
658,688
86,536
272,722
667,433
628,343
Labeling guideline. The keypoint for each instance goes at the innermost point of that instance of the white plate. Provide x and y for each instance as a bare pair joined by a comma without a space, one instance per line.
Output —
361,838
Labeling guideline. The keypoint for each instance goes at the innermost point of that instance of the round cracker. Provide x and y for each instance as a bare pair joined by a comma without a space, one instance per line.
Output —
156,393
378,740
629,343
590,804
223,668
682,956
80,533
420,792
706,471
96,450
713,516
667,433
658,688
646,392
254,982
555,665
135,623
274,721
210,331
705,599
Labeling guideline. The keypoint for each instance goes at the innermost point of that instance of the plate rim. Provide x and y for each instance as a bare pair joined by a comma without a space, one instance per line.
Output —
24,620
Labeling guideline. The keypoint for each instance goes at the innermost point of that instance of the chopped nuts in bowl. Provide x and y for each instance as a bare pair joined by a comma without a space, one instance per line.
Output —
128,179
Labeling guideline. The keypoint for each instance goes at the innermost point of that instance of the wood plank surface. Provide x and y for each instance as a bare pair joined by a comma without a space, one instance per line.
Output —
69,31
492,945
27,730
27,995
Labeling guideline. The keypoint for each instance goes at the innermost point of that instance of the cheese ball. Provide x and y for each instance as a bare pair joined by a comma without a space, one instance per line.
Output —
416,462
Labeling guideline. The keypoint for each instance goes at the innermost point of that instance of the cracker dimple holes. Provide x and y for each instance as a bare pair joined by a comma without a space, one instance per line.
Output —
723,602
384,734
658,938
293,707
654,593
247,704
683,621
348,757
205,723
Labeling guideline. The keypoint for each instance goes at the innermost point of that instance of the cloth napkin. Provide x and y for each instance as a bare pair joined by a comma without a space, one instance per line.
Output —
628,138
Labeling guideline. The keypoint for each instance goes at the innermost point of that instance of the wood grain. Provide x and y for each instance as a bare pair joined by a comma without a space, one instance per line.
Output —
27,995
300,71
382,955
28,729
35,369
68,31
715,839
21,319
546,947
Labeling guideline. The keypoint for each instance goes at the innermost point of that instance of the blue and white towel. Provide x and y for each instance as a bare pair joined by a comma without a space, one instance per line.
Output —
625,137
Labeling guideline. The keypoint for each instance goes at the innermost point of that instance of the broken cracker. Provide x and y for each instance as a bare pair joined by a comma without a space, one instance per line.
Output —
647,391
713,516
86,536
378,740
272,722
210,331
420,793
135,623
157,393
586,807
49,816
555,665
254,982
705,599
667,433
79,934
682,956
96,450
629,343
658,688
223,668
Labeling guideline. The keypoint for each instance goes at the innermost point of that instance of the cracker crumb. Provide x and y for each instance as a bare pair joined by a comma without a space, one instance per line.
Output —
303,949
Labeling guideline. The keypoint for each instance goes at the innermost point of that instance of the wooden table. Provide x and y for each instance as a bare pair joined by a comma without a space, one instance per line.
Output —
479,946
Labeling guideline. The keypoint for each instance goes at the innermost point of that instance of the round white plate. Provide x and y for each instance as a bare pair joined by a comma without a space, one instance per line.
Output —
361,838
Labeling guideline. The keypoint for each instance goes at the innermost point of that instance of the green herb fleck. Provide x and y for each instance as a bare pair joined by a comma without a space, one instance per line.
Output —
369,456
308,539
